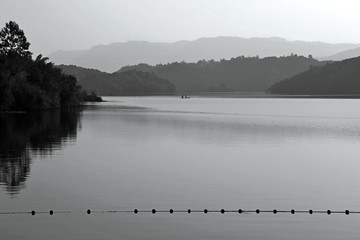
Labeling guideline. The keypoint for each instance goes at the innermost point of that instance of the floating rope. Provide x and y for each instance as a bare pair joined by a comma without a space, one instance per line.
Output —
205,211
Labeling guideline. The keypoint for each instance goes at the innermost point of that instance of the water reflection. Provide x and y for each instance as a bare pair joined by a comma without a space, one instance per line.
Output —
24,135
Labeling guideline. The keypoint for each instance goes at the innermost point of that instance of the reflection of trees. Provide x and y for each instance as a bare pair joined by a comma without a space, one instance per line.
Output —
22,134
14,171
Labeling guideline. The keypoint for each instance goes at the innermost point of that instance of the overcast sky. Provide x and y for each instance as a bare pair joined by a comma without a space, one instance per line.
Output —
52,25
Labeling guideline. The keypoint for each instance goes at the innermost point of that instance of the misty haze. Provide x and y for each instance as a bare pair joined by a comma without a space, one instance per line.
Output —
192,119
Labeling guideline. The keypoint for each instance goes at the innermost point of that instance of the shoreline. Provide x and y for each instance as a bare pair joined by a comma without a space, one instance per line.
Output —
271,95
262,95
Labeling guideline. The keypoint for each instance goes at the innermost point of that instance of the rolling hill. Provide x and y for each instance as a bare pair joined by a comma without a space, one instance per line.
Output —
336,78
124,83
351,53
243,74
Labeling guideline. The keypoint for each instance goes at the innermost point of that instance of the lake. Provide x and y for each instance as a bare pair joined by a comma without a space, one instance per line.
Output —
199,153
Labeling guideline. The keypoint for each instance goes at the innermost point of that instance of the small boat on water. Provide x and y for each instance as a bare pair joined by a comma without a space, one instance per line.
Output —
185,97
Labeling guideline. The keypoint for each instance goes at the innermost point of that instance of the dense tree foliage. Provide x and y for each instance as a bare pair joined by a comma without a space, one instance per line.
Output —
245,74
27,84
332,78
120,83
13,41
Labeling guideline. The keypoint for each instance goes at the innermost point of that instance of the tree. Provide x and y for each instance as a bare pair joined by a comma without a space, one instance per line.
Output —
13,41
27,84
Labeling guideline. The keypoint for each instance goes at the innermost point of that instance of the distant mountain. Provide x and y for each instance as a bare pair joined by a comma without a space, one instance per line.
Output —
124,83
355,52
244,74
332,78
112,57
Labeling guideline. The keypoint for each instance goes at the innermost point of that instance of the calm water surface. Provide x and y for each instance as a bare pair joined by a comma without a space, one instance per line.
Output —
164,152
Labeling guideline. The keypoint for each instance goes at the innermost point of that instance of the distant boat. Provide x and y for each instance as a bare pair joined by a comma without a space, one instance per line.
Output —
185,97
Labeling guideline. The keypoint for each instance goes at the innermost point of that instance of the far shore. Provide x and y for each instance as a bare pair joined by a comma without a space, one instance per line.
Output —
246,95
272,95
212,95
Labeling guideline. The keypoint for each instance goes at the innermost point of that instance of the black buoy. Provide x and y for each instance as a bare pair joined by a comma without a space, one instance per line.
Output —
310,211
275,211
136,211
328,212
51,212
240,211
292,211
347,212
33,212
153,211
171,211
189,210
257,211
222,211
205,211
88,211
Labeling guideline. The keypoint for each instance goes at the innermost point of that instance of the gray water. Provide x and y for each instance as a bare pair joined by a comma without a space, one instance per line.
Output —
167,152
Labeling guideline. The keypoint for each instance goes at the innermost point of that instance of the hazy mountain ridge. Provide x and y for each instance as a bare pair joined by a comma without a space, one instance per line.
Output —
244,74
334,78
113,56
124,83
352,53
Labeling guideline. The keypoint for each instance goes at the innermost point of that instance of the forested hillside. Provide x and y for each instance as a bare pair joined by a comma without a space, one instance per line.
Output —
124,83
244,74
333,78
